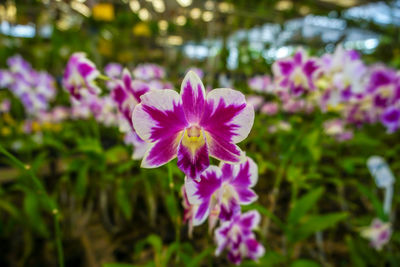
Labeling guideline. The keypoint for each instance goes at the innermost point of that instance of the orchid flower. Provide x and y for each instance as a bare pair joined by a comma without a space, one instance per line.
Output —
391,118
221,190
148,72
237,238
126,94
337,129
378,233
255,100
80,73
6,78
192,126
139,146
261,83
384,86
20,67
113,70
189,211
296,74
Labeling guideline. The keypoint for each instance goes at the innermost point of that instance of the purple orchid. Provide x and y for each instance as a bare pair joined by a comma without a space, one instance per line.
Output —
139,146
148,72
18,65
378,233
270,108
261,83
189,211
337,129
6,78
192,126
237,238
384,87
255,100
220,191
80,73
296,74
391,118
126,93
45,85
113,70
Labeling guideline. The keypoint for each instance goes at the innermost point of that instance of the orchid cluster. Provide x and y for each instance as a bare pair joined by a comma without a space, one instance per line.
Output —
190,126
35,89
338,82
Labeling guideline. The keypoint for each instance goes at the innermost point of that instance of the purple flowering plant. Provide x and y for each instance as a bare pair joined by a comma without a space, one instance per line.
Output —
191,177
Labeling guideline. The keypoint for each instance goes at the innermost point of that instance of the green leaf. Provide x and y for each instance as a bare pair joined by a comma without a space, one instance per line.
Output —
154,240
118,265
82,180
374,200
264,211
172,206
270,259
32,210
303,205
304,263
116,154
173,248
200,257
310,141
317,223
89,145
124,201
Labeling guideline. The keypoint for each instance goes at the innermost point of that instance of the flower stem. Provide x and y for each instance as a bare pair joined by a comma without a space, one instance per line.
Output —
103,77
41,192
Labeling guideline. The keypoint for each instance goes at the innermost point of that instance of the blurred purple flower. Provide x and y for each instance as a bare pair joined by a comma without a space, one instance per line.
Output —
390,118
255,100
378,233
237,238
113,70
270,108
296,74
148,72
80,73
6,78
261,83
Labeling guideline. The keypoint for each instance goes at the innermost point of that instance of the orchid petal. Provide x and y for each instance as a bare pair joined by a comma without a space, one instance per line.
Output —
159,119
193,97
193,156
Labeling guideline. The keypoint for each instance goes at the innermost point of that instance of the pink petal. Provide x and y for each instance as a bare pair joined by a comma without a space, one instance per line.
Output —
193,97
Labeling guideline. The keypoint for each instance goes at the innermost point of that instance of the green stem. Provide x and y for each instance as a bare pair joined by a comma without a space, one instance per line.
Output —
42,192
57,231
170,176
103,77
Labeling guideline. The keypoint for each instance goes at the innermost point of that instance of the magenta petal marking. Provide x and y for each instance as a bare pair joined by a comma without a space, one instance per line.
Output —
193,97
218,122
224,151
298,57
161,152
85,69
167,122
286,67
193,164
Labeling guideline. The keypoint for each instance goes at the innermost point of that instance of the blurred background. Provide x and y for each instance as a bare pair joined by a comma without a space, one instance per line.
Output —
240,37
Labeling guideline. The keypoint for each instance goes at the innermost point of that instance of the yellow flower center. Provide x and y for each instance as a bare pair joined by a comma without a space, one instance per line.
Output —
193,138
